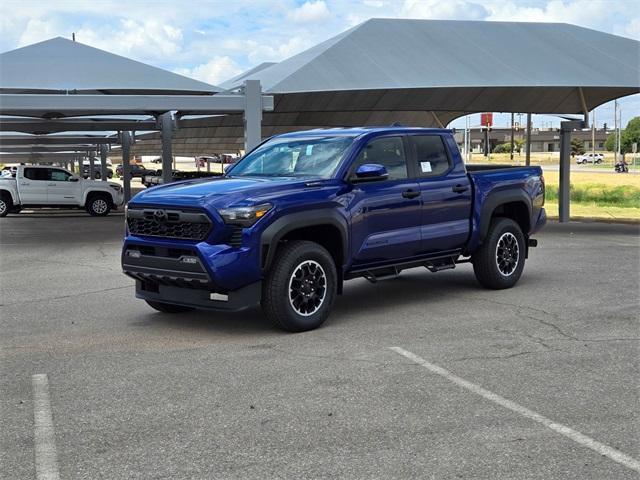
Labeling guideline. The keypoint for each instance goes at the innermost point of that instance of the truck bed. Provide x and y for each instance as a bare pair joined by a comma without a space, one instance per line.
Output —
503,180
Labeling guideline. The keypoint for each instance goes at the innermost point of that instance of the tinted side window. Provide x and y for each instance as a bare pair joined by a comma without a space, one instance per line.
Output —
58,175
431,155
387,151
36,174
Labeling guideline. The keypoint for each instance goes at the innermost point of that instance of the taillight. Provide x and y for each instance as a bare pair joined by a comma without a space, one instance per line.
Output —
543,188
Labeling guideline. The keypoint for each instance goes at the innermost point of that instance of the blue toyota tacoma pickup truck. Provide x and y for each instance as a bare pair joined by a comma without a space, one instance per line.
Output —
305,211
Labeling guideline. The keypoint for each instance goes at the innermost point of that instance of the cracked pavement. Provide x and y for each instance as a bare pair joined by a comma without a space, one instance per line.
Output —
138,394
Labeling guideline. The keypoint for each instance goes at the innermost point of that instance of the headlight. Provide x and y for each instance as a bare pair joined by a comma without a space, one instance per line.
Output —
117,188
244,216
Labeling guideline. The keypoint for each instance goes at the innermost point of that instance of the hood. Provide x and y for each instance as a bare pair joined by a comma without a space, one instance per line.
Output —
222,192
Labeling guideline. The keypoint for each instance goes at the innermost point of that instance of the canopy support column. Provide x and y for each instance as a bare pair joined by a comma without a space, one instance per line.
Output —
166,121
565,168
252,114
436,119
126,166
527,161
103,163
92,164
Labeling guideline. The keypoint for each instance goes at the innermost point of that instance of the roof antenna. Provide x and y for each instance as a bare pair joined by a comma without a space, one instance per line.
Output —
397,124
73,36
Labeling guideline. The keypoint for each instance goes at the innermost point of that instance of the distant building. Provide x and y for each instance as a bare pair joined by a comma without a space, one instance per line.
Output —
542,139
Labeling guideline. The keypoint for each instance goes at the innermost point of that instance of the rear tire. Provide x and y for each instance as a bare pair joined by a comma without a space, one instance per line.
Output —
168,307
98,205
499,261
300,288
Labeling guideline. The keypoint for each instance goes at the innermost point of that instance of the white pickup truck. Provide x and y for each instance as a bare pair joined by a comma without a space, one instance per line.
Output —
47,186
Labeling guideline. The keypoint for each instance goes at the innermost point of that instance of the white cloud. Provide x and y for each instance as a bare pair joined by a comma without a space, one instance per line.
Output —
145,40
214,71
310,12
631,29
590,13
37,30
449,10
260,52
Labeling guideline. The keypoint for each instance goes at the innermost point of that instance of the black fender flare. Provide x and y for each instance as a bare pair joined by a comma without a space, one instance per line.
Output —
293,221
494,200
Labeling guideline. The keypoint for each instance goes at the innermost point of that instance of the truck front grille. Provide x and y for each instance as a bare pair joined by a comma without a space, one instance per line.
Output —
158,222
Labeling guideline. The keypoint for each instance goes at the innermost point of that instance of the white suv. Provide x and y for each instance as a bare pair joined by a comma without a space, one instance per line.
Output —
589,158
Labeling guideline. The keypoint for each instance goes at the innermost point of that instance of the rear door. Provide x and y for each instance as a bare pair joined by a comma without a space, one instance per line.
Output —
32,186
60,190
445,191
386,213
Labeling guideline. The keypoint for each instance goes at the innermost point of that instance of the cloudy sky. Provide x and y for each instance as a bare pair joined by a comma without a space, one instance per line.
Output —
214,40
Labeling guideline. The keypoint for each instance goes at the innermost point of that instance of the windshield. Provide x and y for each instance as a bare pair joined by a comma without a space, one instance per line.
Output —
294,157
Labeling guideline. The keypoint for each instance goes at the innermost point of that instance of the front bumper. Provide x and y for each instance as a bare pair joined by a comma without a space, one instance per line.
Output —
234,301
199,275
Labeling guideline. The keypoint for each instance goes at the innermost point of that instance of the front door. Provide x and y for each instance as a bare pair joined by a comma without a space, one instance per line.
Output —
32,187
60,190
446,194
385,214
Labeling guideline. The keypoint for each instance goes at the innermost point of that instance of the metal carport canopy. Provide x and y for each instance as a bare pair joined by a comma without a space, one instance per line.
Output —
60,79
427,73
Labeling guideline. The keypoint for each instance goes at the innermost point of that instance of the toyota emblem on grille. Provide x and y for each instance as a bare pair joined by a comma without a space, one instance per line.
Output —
160,216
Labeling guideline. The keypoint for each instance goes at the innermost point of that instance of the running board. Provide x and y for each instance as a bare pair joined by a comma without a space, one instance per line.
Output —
382,274
444,264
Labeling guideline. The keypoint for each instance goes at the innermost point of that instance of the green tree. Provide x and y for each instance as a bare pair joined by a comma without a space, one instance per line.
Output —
610,142
577,147
502,148
628,136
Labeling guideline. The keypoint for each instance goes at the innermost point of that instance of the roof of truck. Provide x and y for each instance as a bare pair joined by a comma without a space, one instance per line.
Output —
357,131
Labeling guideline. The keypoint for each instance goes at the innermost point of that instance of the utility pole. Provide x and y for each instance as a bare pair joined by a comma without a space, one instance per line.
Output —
512,140
615,132
618,154
528,145
593,134
467,140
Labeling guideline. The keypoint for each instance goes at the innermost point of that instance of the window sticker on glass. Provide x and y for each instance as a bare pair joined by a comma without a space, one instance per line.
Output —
309,149
425,167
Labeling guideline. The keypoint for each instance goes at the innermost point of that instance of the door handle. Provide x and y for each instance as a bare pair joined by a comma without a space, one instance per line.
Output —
51,184
411,193
460,188
24,183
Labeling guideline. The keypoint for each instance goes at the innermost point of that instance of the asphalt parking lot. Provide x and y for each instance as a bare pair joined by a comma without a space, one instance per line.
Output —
133,393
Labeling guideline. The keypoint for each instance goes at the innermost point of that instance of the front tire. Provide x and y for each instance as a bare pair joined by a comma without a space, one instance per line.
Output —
5,205
499,261
168,307
99,205
300,288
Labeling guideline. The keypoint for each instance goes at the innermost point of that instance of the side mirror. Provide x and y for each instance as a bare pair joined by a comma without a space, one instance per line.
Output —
74,179
370,172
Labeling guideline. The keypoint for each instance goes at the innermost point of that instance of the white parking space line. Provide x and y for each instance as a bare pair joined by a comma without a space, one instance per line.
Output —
45,445
601,448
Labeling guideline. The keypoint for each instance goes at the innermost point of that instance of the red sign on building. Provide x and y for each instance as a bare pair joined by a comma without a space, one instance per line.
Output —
486,119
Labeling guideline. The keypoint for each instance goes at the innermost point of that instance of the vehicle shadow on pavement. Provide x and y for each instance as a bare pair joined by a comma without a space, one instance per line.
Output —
246,322
410,288
360,299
